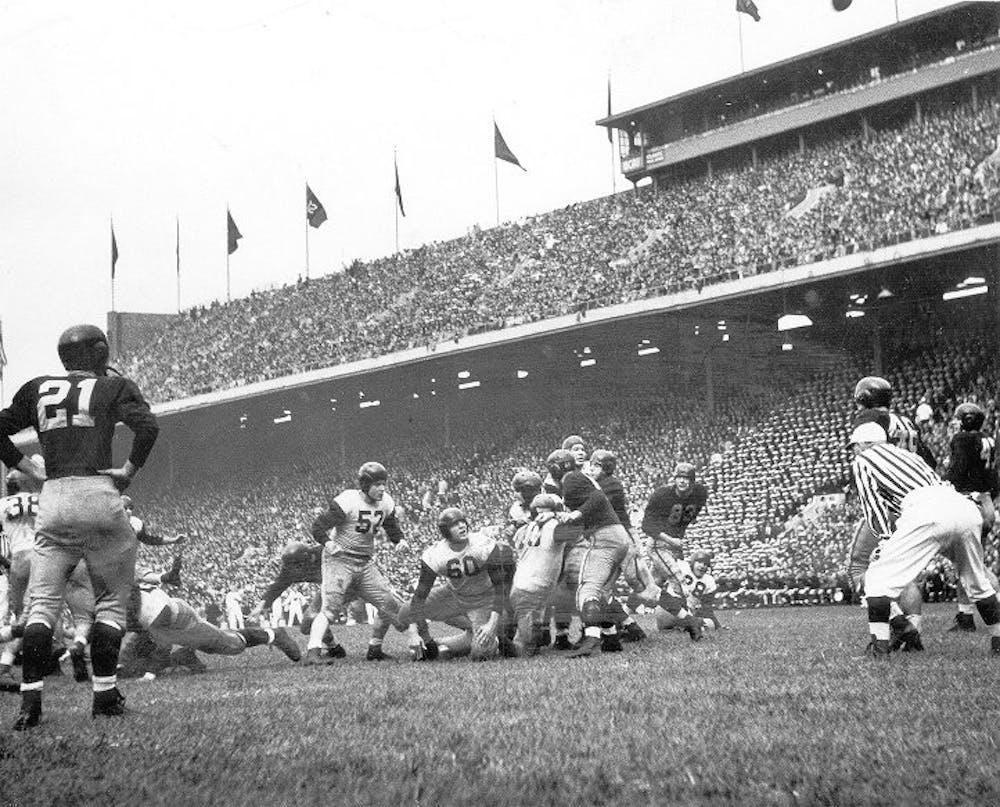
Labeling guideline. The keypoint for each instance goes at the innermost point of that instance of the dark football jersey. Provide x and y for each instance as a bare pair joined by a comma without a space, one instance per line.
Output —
75,416
306,567
669,512
615,491
973,463
579,492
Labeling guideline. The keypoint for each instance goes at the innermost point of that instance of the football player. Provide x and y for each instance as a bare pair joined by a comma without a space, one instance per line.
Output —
527,485
559,463
669,512
972,470
80,514
162,621
699,587
540,546
347,533
602,468
606,544
463,582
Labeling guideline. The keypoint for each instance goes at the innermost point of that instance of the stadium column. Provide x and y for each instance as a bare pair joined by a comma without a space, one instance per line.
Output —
918,112
877,342
995,285
802,143
754,159
709,384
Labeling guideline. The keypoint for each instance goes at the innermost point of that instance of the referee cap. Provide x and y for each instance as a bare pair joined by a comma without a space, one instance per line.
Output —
869,433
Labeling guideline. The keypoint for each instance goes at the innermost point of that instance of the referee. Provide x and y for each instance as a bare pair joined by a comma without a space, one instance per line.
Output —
915,516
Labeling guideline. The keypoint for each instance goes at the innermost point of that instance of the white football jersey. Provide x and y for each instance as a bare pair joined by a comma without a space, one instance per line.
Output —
695,586
539,557
357,534
464,570
17,518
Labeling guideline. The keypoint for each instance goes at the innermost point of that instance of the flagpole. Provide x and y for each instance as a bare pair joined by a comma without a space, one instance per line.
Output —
307,231
395,201
496,188
112,218
229,217
739,22
178,255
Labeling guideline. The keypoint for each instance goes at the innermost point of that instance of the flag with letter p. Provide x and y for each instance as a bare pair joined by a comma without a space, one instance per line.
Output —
399,191
234,234
501,150
315,211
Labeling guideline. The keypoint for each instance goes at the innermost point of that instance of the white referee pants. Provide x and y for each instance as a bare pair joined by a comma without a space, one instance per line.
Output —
933,519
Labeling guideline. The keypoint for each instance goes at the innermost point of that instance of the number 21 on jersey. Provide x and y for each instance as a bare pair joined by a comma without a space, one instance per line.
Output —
63,403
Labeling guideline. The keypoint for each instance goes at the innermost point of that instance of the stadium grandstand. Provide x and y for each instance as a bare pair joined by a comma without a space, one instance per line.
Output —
807,223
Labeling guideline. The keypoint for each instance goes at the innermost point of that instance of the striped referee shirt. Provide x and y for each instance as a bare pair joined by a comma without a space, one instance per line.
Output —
883,475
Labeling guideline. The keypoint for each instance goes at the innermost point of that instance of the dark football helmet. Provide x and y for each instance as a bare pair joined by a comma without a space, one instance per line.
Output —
971,416
872,391
371,473
607,461
448,518
685,470
526,484
560,462
84,347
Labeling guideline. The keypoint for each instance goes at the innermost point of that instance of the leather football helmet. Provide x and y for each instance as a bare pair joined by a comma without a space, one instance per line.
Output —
84,347
872,391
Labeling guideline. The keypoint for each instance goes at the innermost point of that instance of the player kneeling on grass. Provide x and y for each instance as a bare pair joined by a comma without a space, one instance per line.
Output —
471,591
674,609
700,586
163,621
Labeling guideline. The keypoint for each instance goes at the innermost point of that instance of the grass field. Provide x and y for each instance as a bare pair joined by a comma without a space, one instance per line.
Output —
783,709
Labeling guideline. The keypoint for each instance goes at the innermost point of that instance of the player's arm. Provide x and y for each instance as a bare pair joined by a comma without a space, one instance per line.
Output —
424,585
392,529
133,410
334,516
149,539
501,576
13,419
581,499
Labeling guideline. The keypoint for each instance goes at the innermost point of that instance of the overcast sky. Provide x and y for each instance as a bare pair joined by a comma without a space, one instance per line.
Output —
150,112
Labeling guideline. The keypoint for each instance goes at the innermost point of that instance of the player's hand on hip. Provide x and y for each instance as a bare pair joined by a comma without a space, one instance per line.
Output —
122,477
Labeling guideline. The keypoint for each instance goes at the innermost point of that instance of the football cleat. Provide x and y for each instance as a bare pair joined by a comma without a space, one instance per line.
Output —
562,642
694,628
286,644
631,632
335,651
907,640
589,645
375,653
188,658
8,683
77,657
172,577
611,643
316,656
27,719
964,623
110,703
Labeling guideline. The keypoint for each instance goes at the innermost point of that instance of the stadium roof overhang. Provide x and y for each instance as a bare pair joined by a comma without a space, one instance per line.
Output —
911,27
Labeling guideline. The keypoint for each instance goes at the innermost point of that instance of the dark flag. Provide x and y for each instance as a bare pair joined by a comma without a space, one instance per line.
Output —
501,150
611,138
315,211
841,5
114,251
234,234
399,191
748,7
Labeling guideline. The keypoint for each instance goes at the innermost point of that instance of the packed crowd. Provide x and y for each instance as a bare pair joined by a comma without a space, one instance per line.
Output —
762,457
921,178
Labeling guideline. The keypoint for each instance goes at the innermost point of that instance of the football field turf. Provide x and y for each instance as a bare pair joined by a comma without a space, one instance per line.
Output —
783,709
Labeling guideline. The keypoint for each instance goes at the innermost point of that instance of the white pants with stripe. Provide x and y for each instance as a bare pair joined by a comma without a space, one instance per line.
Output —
933,519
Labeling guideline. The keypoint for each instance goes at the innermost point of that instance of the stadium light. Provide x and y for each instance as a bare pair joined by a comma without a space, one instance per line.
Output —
366,404
416,395
969,292
468,385
853,313
725,337
972,280
464,374
789,322
284,418
588,362
647,351
885,294
522,373
786,347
